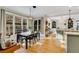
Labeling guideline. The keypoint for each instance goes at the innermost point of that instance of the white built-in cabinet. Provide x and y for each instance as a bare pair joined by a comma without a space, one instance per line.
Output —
11,24
14,24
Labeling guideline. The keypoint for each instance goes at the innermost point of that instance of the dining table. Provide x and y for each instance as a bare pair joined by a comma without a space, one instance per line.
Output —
27,35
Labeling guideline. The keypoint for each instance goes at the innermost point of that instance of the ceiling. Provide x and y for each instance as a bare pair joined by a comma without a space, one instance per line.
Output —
41,11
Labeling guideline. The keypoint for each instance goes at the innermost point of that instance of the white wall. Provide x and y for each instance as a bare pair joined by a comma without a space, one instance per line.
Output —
63,19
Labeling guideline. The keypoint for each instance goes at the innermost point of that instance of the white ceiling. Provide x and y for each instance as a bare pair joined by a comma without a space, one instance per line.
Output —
40,11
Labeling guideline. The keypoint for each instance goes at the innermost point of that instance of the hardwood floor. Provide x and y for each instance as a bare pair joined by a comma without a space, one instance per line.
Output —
46,45
10,50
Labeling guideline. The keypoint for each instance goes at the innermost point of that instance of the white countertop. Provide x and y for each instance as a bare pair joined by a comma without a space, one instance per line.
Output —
71,33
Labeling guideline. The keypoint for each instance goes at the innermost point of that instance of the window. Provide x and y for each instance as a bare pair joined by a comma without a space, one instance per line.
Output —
53,24
37,25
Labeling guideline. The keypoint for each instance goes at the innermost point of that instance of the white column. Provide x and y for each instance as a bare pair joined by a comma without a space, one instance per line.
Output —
44,25
13,25
51,24
3,30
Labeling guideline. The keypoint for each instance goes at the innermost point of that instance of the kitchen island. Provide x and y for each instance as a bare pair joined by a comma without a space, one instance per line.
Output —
70,38
72,42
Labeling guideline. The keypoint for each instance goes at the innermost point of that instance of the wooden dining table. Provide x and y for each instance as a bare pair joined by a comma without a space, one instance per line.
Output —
26,37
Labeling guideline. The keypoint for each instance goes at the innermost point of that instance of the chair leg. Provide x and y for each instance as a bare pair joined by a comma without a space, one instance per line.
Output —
33,41
37,39
29,43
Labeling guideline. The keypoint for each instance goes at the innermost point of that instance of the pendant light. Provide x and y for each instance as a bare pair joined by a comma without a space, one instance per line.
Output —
30,11
30,16
70,22
69,14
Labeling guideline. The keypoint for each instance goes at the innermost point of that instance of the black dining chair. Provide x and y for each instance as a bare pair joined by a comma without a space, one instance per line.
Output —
35,37
30,39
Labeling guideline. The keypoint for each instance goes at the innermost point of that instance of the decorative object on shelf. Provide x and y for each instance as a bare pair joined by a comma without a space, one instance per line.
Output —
70,21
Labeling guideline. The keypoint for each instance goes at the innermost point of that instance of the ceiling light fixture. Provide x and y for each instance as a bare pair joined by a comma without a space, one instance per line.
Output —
30,16
70,22
30,12
34,6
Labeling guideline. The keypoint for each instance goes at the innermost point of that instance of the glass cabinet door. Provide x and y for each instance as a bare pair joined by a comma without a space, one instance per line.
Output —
9,25
18,24
24,25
